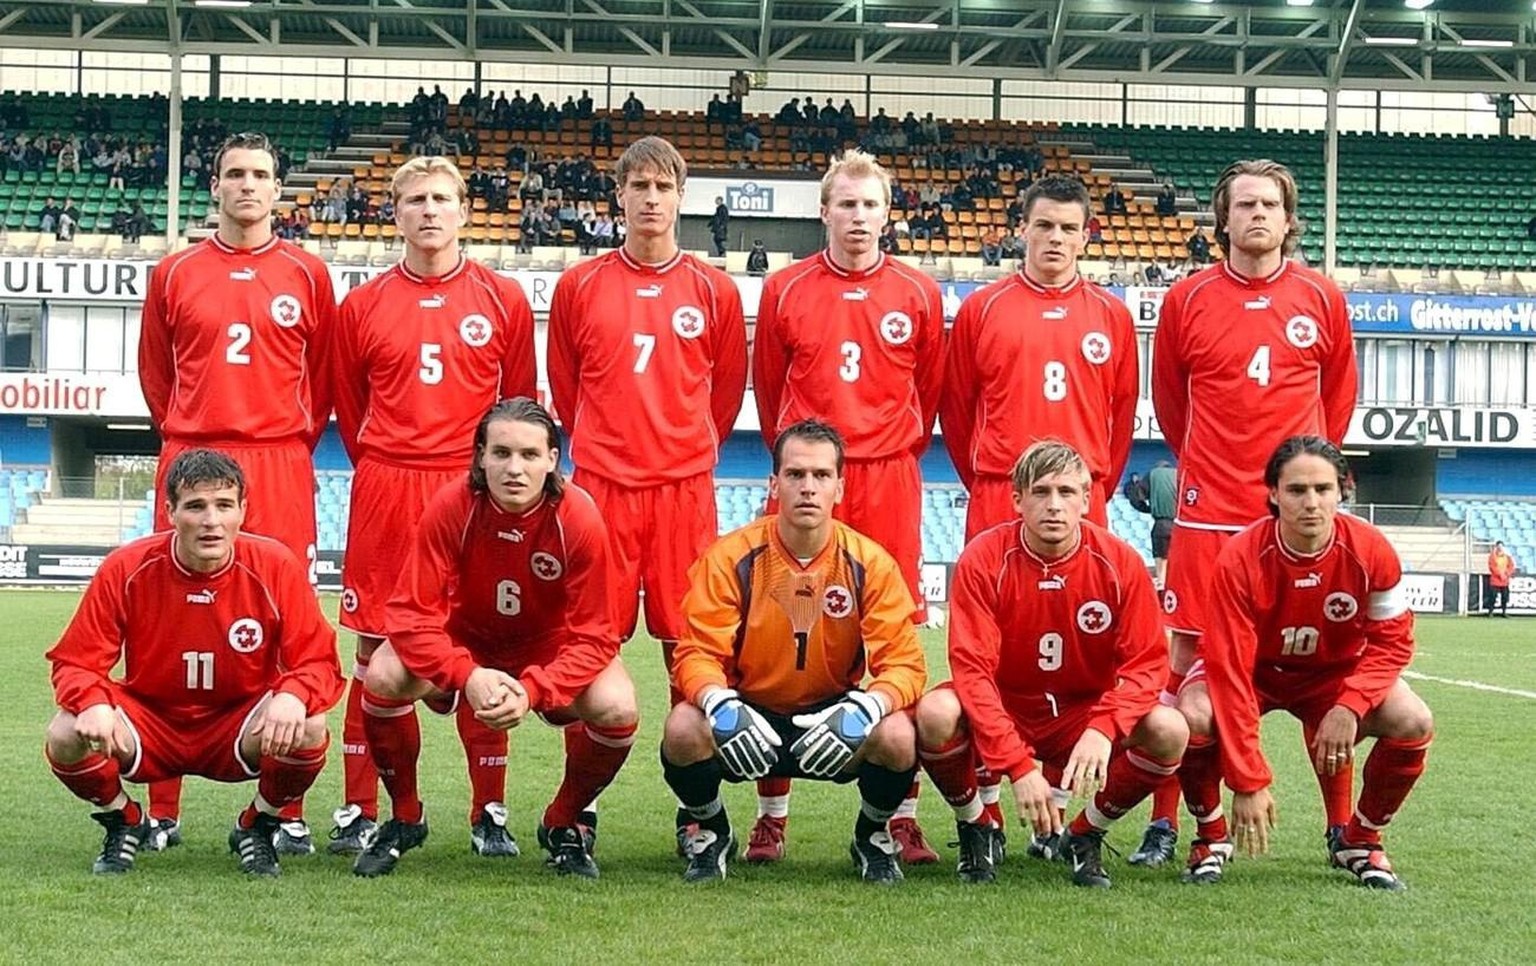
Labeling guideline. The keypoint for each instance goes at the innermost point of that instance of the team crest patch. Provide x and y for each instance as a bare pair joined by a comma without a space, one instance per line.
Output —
896,328
1096,348
545,566
246,635
837,601
1340,607
1170,601
286,311
1094,617
1301,332
688,321
349,600
475,330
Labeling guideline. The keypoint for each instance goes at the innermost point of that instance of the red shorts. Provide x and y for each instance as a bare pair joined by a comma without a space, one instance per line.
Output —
991,503
206,744
1191,569
1052,729
1305,697
387,503
279,490
655,533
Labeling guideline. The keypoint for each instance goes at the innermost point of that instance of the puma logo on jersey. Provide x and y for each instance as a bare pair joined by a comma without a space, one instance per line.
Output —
1053,582
243,275
855,295
1056,314
652,291
1310,580
432,302
516,536
1260,303
204,596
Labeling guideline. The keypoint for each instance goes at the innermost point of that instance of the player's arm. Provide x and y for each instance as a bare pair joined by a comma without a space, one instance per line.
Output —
307,659
1141,656
711,620
92,643
975,648
563,357
959,398
1230,648
1170,375
728,379
1123,397
929,375
770,362
894,654
519,367
416,615
349,373
1340,376
157,361
318,350
591,643
1389,635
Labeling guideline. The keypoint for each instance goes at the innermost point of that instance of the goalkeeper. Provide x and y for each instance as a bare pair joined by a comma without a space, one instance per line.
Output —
783,620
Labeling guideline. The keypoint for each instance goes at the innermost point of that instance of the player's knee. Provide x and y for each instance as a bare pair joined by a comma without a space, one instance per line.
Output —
1414,722
1165,732
940,719
64,745
316,734
893,743
1195,706
387,676
610,701
685,738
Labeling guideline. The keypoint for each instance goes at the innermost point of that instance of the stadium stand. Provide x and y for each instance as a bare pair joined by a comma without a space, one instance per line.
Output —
1511,521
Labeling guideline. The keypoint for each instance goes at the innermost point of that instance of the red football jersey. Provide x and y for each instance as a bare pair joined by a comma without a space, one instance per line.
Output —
1026,362
193,642
1028,637
419,361
234,343
1238,366
862,351
522,592
647,365
1278,618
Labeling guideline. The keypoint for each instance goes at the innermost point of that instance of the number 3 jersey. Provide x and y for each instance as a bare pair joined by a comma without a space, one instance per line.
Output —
1030,638
1280,622
525,593
420,359
194,643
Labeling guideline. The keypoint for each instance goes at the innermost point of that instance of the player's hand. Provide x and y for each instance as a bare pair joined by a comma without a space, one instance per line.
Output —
497,698
1253,817
1334,744
280,723
747,743
834,735
1032,795
1088,764
97,727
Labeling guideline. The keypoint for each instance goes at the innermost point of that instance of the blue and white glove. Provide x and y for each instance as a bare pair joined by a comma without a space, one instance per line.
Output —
746,742
833,736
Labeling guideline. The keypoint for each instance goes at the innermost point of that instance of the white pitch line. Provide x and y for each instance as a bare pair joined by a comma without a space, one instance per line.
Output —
1474,685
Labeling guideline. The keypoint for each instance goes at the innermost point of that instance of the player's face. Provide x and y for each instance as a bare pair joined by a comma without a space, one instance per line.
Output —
517,458
1055,238
1053,508
650,199
429,212
246,186
206,516
1308,495
808,484
855,215
1256,218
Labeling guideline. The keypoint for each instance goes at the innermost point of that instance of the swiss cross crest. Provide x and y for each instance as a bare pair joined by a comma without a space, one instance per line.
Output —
1170,601
688,321
246,635
1094,617
1096,348
1301,331
545,566
1340,607
286,311
837,601
475,330
349,600
896,327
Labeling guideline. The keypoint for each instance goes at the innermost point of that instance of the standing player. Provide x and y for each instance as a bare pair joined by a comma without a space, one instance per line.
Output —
229,669
1057,651
855,338
1307,613
785,617
233,354
423,351
647,369
504,598
1248,352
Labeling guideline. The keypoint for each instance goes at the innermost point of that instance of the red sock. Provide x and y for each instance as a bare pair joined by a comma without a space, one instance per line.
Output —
1200,778
485,754
1133,775
284,779
95,778
773,787
1165,802
359,776
952,770
165,798
593,755
394,738
1391,770
1338,789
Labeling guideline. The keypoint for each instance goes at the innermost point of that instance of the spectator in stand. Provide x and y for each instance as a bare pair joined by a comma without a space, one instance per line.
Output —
1199,247
752,136
528,227
1114,201
1095,230
584,106
890,241
634,108
48,218
1501,567
468,101
991,248
602,232
387,211
757,258
533,187
338,128
602,133
68,158
336,203
1153,274
357,204
1167,201
586,234
69,221
1012,246
713,113
720,226
930,130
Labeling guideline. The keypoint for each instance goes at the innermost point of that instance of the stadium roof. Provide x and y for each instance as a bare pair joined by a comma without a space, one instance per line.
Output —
1469,45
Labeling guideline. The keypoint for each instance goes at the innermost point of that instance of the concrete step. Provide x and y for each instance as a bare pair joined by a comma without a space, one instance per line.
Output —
1434,549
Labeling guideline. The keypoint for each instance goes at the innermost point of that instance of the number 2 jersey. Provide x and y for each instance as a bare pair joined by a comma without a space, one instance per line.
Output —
1280,621
194,644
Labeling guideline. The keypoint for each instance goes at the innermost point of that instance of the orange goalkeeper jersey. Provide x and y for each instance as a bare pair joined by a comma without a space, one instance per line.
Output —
788,636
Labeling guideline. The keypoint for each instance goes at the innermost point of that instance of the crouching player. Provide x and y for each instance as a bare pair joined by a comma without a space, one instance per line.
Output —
782,619
230,669
504,598
1308,615
1057,652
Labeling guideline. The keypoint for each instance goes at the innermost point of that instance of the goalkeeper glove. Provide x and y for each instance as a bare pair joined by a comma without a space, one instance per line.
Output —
833,736
745,741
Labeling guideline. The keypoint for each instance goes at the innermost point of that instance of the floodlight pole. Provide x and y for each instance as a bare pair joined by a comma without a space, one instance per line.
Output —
1331,184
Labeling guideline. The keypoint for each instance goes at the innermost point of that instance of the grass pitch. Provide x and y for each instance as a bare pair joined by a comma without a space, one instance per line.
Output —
1462,843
